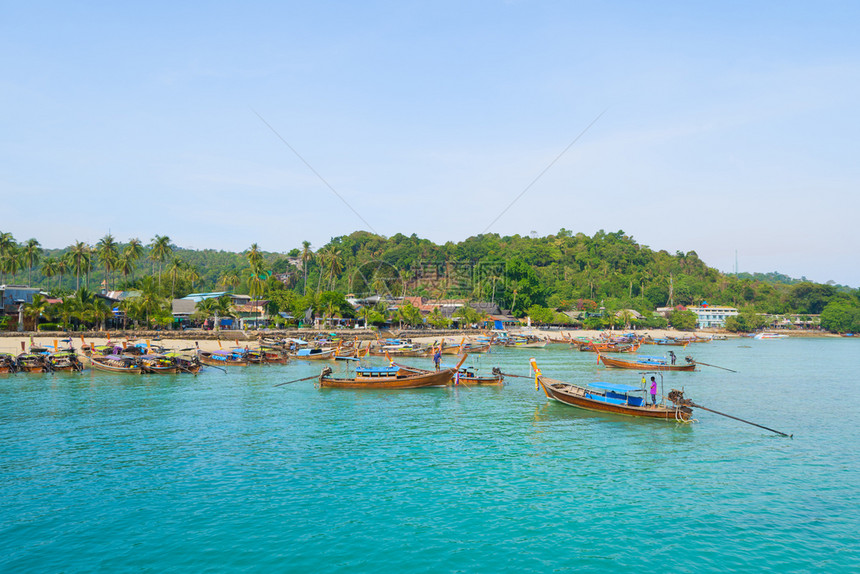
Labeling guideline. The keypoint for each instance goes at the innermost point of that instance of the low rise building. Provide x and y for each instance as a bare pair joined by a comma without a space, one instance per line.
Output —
712,317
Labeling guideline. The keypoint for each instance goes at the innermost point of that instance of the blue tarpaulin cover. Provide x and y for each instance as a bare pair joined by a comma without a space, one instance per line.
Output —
615,387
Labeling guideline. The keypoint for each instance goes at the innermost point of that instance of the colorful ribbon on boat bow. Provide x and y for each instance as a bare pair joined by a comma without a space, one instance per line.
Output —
536,370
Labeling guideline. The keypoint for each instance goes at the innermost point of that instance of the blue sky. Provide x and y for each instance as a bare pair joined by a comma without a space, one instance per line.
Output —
728,126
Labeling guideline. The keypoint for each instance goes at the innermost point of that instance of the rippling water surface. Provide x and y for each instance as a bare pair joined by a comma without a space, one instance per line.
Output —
230,473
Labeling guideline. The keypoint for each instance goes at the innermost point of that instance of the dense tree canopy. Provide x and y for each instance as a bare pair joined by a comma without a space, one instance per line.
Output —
557,272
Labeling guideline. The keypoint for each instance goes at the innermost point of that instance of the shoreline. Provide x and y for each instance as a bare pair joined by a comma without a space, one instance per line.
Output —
11,342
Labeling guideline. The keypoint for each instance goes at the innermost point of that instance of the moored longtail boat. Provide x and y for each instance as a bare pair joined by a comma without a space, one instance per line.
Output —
33,363
667,342
315,354
116,364
612,398
274,355
393,377
65,361
221,359
8,363
186,364
466,376
645,363
158,364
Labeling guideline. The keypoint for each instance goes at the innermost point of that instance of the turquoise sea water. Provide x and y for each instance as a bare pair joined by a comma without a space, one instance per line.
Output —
226,473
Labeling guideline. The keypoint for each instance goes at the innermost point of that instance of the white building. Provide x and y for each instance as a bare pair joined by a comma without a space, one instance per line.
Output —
712,317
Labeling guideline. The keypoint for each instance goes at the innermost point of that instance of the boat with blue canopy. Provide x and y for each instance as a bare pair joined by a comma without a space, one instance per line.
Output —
644,362
613,398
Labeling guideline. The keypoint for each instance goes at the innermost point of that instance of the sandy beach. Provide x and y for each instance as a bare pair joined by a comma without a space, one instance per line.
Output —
209,341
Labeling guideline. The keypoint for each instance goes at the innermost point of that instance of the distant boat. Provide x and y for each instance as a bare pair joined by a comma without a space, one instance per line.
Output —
32,363
159,364
8,363
643,363
116,364
466,376
770,336
221,359
315,354
64,361
393,377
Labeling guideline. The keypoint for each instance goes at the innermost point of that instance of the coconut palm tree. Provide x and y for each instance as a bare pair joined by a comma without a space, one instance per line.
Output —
32,251
10,261
82,303
65,310
99,311
335,265
192,275
257,282
38,307
332,310
214,307
62,268
132,309
107,251
149,301
125,264
49,269
229,279
307,256
160,250
133,251
79,255
254,255
177,266
322,257
7,244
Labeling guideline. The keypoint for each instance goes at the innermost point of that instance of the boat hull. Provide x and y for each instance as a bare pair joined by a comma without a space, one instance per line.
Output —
575,396
321,356
99,365
408,381
207,359
623,364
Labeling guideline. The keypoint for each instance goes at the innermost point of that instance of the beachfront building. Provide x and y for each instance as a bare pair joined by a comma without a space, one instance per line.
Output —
12,301
712,317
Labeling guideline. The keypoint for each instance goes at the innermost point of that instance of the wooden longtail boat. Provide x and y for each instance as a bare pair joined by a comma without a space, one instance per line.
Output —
466,376
470,348
667,342
221,359
596,347
273,355
8,364
645,364
314,354
186,364
393,377
158,364
116,364
525,343
32,363
253,356
66,361
612,398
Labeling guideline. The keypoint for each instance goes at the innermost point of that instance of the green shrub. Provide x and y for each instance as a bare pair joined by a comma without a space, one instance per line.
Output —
49,327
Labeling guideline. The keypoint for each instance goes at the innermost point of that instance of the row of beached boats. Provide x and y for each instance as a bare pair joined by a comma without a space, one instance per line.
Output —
605,397
40,361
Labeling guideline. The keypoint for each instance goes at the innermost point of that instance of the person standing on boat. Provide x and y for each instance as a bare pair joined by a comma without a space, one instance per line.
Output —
437,357
654,391
672,356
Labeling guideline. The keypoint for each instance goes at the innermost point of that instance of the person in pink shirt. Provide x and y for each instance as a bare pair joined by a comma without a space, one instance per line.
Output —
653,391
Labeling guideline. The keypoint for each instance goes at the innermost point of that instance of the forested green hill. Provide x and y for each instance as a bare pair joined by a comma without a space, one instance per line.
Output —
564,271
